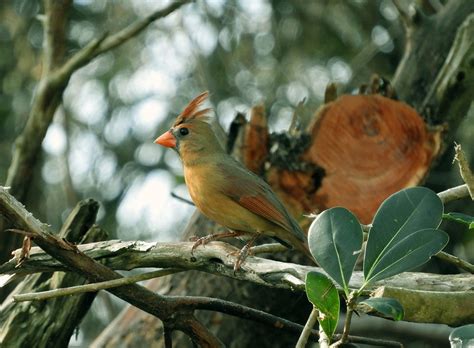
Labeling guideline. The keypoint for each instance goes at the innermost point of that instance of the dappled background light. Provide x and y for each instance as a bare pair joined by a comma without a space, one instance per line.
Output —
245,52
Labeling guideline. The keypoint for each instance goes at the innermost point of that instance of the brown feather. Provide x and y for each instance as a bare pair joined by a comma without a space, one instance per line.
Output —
261,206
191,111
254,194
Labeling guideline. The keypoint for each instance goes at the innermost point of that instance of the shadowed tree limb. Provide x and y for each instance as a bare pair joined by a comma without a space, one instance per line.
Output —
94,271
176,312
51,86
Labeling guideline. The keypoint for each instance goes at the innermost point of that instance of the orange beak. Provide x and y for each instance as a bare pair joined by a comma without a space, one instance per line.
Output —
166,139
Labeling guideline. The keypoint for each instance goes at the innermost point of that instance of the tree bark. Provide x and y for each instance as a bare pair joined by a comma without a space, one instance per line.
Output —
42,320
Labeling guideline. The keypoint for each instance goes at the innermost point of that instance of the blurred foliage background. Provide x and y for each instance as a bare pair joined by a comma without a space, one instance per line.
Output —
243,51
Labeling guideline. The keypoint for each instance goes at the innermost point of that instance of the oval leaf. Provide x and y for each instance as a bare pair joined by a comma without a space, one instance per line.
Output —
335,240
385,307
462,336
399,216
322,293
414,250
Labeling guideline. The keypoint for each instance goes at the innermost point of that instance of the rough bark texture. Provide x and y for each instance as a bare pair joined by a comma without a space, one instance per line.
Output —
51,323
175,314
53,82
28,143
409,288
218,258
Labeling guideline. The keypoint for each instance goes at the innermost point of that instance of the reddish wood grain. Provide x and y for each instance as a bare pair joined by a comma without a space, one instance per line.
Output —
256,140
369,147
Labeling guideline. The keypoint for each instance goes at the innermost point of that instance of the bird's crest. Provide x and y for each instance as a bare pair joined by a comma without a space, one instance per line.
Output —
192,112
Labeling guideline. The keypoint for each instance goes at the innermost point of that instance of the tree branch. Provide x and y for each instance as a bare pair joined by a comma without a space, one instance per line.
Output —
108,42
454,260
42,320
464,169
94,271
94,287
454,193
52,84
308,328
215,258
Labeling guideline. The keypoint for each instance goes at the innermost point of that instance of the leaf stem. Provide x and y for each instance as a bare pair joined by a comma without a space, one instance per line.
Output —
324,340
351,301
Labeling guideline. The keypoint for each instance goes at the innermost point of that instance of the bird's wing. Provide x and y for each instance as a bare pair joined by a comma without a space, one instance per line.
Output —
254,194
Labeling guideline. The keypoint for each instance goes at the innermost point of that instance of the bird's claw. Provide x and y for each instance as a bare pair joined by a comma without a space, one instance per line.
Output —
200,241
242,255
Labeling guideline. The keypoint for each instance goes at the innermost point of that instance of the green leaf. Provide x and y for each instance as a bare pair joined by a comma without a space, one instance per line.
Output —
335,240
403,233
462,336
322,293
461,218
412,251
385,307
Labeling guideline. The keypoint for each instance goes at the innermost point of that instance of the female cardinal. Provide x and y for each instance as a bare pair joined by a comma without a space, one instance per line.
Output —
224,190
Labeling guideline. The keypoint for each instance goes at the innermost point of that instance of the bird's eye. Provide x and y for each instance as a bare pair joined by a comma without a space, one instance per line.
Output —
183,131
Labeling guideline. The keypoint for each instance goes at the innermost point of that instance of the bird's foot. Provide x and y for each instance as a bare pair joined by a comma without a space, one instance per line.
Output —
244,252
206,239
242,255
200,241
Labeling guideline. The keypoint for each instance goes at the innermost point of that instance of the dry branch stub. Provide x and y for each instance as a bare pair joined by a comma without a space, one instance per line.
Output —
363,149
256,140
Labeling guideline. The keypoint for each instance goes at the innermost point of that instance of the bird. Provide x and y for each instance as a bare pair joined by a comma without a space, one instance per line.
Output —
224,190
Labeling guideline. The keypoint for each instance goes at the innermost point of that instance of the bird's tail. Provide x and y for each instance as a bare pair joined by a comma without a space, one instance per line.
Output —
304,248
298,244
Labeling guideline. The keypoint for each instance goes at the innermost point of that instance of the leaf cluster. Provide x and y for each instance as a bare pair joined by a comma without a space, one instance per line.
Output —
404,234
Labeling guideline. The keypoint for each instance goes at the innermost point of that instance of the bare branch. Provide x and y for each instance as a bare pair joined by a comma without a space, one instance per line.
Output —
466,172
136,28
308,328
53,83
454,193
215,258
80,289
454,260
55,20
109,42
50,90
244,312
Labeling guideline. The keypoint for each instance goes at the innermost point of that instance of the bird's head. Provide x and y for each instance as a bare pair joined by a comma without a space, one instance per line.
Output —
191,134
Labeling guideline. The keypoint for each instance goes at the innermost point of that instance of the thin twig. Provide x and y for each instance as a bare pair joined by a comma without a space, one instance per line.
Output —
454,193
351,301
469,267
464,169
182,199
93,287
324,340
244,312
308,328
267,248
404,15
109,42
